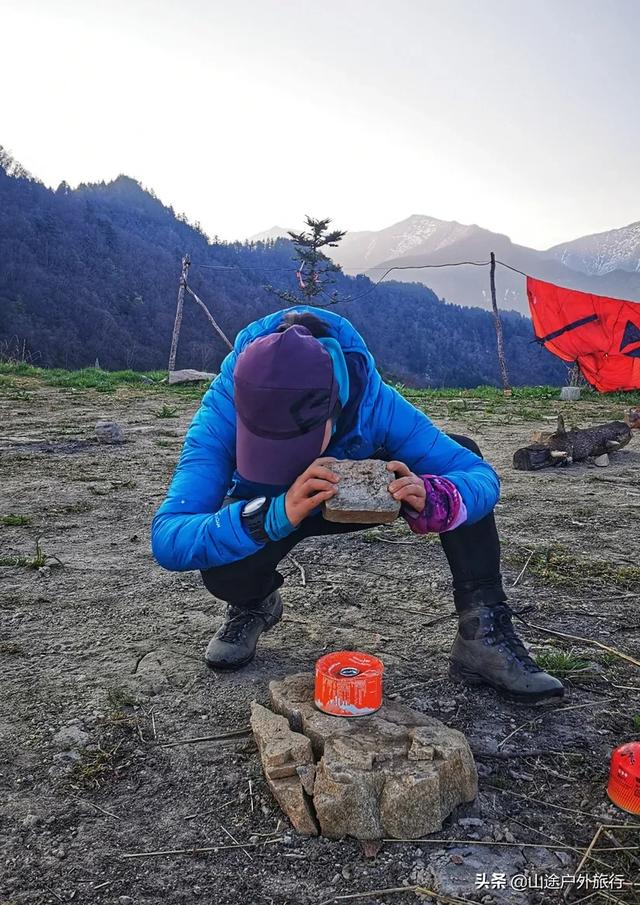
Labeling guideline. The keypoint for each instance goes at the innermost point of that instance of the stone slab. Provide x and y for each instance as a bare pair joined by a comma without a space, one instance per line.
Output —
363,495
287,760
570,394
188,375
109,432
396,773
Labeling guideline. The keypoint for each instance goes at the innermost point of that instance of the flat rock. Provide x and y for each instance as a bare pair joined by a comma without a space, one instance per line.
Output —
71,737
288,764
109,432
397,773
570,394
188,375
362,495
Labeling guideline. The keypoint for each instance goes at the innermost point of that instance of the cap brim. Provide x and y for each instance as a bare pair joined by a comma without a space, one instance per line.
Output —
266,461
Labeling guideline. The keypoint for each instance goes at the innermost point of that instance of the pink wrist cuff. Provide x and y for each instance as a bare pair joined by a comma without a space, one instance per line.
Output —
444,509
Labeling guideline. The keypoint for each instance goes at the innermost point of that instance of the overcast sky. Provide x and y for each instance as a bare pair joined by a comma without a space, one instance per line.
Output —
519,115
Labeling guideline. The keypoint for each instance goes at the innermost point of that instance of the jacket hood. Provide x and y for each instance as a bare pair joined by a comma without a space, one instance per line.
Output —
341,329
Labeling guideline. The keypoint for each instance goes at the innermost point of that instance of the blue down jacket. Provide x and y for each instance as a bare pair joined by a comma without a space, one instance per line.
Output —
190,530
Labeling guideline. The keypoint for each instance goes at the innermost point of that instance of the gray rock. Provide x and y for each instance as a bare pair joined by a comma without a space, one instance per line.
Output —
109,432
362,495
70,737
284,753
188,375
570,394
451,876
397,773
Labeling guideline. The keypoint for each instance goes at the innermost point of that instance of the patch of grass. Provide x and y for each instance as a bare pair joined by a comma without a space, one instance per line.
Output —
370,536
9,390
85,378
97,767
167,412
559,663
15,520
118,698
608,659
528,414
556,566
37,561
119,731
636,721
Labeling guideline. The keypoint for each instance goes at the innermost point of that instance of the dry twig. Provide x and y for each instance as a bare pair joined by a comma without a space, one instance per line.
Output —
303,574
524,568
98,808
571,848
391,890
548,712
548,804
611,650
233,733
196,851
233,839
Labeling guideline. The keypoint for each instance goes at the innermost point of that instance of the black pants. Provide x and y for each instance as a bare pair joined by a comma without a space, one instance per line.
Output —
473,553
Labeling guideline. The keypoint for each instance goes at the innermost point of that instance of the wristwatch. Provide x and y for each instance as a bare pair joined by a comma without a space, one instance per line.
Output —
253,515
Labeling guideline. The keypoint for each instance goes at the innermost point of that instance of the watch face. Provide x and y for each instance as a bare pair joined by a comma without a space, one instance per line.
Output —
254,505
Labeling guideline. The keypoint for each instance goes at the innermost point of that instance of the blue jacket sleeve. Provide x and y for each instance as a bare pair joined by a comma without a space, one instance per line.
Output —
190,530
412,438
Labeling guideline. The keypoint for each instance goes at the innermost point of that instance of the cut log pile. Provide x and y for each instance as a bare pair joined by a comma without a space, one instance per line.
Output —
566,446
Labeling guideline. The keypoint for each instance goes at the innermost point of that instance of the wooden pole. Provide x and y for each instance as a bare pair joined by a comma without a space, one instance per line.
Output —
213,323
499,337
186,261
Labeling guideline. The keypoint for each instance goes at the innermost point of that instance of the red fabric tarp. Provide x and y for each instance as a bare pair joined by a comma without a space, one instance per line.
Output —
601,334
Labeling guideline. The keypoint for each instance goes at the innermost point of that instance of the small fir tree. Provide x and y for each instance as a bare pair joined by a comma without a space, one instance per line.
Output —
314,266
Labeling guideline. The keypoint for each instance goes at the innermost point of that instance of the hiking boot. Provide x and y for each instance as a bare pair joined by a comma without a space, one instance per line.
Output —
487,651
234,644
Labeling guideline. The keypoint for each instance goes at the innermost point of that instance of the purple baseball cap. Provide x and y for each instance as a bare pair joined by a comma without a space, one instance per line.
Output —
285,390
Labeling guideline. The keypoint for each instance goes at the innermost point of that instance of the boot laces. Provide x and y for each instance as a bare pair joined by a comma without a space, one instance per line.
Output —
501,634
235,624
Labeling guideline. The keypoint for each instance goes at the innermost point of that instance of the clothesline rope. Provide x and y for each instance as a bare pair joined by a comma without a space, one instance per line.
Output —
336,300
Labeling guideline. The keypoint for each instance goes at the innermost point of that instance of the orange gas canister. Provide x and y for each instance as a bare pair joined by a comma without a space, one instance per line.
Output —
624,777
348,683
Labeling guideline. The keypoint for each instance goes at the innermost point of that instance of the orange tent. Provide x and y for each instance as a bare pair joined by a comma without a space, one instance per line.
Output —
601,334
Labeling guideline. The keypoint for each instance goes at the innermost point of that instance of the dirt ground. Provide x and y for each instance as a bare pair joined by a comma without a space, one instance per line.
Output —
98,641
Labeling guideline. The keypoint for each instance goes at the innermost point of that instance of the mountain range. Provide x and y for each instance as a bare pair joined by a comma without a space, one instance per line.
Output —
92,272
605,263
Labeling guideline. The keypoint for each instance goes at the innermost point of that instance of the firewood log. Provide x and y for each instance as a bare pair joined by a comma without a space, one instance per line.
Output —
566,446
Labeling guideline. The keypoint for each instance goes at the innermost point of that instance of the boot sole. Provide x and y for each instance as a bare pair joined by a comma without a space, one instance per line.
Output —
231,667
466,677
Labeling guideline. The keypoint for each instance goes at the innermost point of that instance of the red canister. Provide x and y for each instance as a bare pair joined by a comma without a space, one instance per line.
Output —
624,777
348,683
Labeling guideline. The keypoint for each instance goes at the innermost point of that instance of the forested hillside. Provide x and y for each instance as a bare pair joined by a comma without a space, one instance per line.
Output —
92,273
